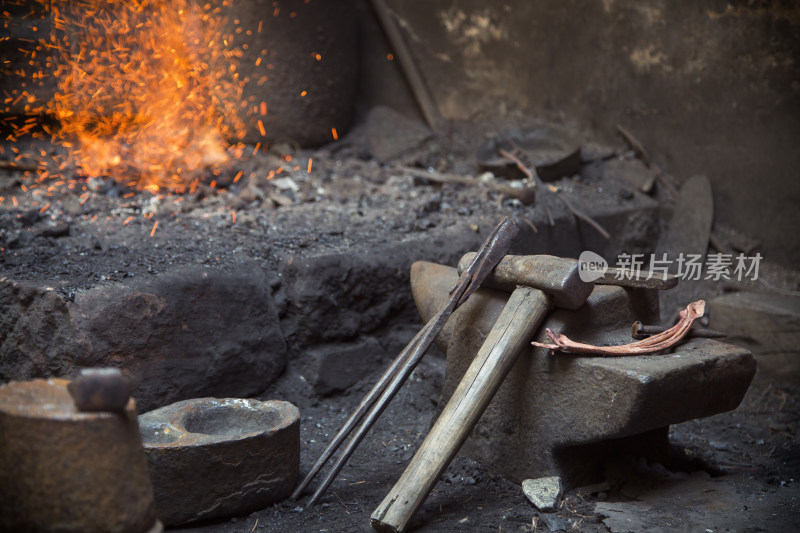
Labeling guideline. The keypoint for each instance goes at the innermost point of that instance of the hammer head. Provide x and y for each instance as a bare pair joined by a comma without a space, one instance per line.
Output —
556,276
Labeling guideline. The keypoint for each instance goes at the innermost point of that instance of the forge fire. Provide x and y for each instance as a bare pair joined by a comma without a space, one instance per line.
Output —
376,265
145,91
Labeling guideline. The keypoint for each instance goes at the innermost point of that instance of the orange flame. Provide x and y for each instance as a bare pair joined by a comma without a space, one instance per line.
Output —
149,89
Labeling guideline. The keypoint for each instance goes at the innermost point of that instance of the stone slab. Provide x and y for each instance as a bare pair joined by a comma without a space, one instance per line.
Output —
635,173
404,134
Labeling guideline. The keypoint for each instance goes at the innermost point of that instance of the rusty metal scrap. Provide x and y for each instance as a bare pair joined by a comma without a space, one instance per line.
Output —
641,331
652,344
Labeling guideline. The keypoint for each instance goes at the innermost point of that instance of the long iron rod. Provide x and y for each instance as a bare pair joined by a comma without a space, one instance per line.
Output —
362,408
490,253
386,397
409,67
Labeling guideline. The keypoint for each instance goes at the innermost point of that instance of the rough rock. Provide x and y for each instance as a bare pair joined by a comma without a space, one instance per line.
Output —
544,493
339,295
555,523
337,367
210,458
38,335
192,332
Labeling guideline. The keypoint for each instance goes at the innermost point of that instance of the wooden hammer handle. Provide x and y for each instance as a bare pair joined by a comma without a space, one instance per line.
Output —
514,328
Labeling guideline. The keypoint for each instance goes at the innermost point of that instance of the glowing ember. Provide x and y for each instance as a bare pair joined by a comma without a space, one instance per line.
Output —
148,90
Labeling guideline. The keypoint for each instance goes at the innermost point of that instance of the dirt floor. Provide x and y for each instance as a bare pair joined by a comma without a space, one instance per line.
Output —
736,471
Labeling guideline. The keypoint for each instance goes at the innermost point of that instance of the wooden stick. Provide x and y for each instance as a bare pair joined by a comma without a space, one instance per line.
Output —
635,145
519,320
14,165
575,212
583,216
410,69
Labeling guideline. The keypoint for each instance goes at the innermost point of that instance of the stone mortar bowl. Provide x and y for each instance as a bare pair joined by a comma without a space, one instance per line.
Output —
212,457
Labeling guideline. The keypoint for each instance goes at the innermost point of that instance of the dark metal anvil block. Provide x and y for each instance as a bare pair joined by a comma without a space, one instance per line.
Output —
563,414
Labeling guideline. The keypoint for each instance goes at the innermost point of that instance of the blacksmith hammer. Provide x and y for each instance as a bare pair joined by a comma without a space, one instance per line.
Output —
541,282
